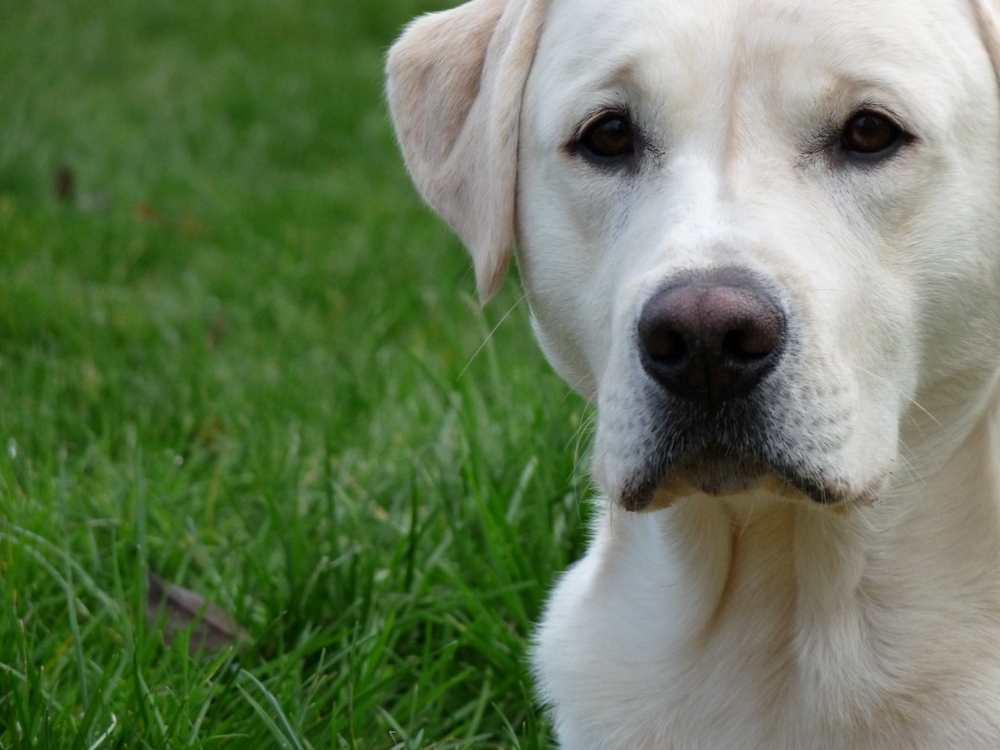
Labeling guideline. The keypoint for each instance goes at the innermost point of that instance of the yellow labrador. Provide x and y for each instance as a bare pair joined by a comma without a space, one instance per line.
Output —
763,237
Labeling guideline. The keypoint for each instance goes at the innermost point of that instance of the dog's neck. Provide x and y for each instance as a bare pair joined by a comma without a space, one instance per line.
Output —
762,621
826,592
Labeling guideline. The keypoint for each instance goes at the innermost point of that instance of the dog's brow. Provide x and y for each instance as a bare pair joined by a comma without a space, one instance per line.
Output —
603,73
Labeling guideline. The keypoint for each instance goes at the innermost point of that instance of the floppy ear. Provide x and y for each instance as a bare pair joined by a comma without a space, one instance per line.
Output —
455,85
988,16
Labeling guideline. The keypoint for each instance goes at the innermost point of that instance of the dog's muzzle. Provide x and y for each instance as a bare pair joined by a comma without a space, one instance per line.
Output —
710,343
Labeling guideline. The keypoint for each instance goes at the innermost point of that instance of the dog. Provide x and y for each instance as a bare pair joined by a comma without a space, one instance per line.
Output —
762,237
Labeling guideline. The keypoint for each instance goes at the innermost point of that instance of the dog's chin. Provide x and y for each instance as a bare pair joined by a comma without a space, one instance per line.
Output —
717,475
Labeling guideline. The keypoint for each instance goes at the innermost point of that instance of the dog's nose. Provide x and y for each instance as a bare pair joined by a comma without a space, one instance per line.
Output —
711,337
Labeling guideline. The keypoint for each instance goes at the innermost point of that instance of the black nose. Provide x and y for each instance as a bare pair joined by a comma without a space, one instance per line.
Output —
711,337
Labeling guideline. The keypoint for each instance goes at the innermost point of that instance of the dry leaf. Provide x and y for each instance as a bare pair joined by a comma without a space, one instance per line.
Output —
64,184
217,331
179,609
191,225
148,213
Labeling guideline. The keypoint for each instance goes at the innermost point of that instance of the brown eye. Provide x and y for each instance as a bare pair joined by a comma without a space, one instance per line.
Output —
869,133
610,137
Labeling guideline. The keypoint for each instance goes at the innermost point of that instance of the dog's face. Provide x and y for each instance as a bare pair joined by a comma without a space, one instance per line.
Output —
746,233
765,239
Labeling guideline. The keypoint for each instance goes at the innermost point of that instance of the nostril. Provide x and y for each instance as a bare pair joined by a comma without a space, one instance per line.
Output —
666,347
750,344
735,347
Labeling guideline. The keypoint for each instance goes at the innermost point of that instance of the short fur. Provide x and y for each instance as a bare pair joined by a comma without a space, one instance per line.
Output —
756,616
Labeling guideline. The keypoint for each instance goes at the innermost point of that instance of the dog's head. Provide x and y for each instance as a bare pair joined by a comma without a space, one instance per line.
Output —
765,239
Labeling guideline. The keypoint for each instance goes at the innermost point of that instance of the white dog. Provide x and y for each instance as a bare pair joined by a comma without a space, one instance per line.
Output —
763,237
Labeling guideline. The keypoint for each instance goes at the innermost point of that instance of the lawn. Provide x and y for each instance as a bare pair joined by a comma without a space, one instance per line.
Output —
237,352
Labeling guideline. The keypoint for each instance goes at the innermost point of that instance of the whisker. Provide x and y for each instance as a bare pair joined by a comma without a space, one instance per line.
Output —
489,336
912,400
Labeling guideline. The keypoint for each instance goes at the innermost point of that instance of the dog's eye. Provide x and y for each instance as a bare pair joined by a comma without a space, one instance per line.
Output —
610,137
869,133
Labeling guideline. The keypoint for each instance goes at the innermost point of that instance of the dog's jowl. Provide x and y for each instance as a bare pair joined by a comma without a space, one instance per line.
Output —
763,238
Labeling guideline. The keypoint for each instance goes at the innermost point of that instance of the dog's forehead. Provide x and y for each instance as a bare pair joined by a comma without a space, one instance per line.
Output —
919,26
932,46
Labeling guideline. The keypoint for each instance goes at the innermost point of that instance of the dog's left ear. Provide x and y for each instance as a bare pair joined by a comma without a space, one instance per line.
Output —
455,84
988,16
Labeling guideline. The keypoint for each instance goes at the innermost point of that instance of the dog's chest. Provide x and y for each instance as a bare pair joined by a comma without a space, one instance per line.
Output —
636,655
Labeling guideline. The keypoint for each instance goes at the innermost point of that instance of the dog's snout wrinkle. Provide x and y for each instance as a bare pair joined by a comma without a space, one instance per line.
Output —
711,337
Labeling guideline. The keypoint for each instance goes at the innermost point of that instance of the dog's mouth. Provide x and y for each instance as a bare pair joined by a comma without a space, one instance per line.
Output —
719,472
763,442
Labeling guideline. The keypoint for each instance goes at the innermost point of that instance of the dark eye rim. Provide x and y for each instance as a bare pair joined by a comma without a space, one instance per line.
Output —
578,145
901,137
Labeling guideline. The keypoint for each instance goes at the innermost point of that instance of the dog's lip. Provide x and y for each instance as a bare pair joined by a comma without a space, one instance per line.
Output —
726,474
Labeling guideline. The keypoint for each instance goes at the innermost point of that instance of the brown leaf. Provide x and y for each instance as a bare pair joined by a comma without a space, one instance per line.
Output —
191,225
178,609
64,184
148,213
217,331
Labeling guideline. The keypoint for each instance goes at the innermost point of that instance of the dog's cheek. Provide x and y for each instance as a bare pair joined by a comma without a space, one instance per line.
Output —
950,260
565,354
955,272
960,332
563,249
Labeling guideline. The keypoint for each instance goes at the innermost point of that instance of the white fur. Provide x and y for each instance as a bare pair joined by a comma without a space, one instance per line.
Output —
760,619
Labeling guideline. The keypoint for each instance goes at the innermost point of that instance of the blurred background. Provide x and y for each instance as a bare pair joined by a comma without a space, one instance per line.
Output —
241,365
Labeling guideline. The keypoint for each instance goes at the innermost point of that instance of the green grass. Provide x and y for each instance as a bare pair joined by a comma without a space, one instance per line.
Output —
244,356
